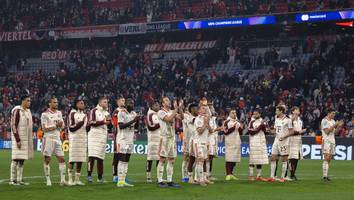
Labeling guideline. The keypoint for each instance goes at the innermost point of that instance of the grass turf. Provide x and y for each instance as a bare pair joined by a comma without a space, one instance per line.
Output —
309,172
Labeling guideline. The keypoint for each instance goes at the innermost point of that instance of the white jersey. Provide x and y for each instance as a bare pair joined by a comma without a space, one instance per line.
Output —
167,128
213,136
126,135
200,137
282,126
153,127
188,127
325,123
49,119
297,124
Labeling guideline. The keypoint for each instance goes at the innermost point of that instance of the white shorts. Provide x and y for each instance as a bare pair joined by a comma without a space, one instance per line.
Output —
212,150
280,147
328,147
153,151
125,148
167,148
200,150
51,147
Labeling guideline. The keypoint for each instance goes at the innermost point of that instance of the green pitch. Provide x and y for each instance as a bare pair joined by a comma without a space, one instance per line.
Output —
309,187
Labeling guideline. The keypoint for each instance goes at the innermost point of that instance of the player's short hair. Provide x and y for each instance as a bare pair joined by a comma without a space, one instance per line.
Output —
152,103
192,105
25,94
102,98
119,97
329,110
258,110
281,108
162,98
294,108
49,100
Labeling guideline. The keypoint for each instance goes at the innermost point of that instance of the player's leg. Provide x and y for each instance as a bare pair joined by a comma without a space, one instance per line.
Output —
160,171
47,160
190,168
284,159
325,166
100,170
328,151
199,169
90,166
273,163
19,170
78,174
123,170
211,158
148,171
115,167
250,172
169,172
13,172
293,165
70,173
62,169
259,173
185,167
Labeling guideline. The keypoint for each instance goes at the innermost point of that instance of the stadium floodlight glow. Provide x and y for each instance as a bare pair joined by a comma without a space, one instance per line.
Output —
231,22
324,16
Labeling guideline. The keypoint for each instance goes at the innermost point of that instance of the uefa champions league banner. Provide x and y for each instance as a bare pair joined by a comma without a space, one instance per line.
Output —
311,150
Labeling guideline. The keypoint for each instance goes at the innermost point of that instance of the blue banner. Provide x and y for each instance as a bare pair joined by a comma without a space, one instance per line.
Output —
324,16
232,22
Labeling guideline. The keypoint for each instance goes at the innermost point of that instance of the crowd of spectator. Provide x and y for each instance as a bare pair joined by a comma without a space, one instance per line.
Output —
323,81
42,14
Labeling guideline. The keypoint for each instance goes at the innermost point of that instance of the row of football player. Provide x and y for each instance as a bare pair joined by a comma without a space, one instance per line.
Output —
88,137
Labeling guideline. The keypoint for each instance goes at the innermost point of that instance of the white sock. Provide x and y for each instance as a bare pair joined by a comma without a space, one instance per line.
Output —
199,171
19,172
70,174
284,167
13,170
190,175
169,171
207,168
126,166
184,167
77,176
160,169
121,171
250,170
47,171
62,169
259,172
148,175
325,167
272,168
